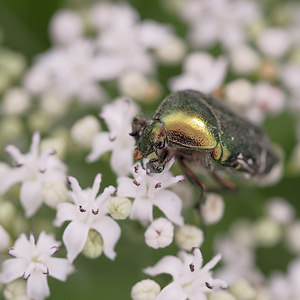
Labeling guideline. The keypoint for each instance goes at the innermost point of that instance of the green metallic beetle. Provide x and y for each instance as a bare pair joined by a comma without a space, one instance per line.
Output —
196,128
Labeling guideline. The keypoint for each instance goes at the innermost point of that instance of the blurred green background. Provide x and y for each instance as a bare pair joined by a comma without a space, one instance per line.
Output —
25,29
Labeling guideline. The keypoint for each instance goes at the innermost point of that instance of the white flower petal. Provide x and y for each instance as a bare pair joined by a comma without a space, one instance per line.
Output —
171,292
122,160
142,210
31,197
96,185
37,286
169,264
46,242
65,212
170,204
101,144
110,232
126,187
12,177
34,148
12,269
74,238
59,268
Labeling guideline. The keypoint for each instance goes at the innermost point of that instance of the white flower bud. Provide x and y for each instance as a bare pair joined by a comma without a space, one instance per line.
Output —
267,232
134,85
292,237
189,236
65,27
239,92
213,208
119,207
7,213
16,290
171,52
53,105
262,294
294,161
242,290
84,130
280,211
145,290
5,81
54,193
221,295
244,60
159,234
4,239
16,101
94,245
12,63
274,42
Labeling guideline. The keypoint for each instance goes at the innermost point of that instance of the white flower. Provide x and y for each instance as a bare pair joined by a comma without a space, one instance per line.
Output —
159,234
239,92
34,263
33,170
150,189
53,104
65,27
118,117
244,59
201,72
84,130
88,211
269,98
280,210
4,239
16,101
189,236
267,232
222,295
145,290
212,209
274,42
290,76
241,289
190,279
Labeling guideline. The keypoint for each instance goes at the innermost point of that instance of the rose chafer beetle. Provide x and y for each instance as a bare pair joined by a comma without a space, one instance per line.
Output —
196,128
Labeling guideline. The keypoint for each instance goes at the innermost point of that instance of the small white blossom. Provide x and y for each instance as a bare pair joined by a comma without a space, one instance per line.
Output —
16,101
189,236
145,290
212,209
239,93
190,279
267,232
84,130
33,170
118,117
150,189
53,104
66,26
159,234
88,211
280,210
290,76
119,207
241,289
274,42
201,72
244,59
34,262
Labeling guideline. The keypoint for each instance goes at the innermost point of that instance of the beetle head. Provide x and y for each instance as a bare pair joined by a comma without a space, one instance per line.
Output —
151,143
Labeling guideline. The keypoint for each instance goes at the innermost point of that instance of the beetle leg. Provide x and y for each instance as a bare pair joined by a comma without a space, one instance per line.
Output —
196,180
225,183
